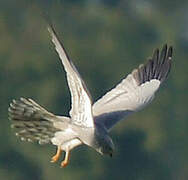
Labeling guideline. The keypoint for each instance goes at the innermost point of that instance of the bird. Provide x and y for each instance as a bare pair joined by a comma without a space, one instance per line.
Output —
89,123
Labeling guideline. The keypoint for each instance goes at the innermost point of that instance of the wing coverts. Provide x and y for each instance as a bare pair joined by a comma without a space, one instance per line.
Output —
135,91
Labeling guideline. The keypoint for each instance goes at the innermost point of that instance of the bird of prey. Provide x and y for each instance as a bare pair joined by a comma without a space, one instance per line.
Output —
89,123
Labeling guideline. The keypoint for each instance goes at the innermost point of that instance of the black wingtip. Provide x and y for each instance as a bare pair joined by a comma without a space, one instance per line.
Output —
164,51
156,54
50,27
157,67
165,46
170,52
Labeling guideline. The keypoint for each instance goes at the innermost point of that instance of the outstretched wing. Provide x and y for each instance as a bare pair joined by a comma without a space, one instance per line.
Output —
81,112
135,91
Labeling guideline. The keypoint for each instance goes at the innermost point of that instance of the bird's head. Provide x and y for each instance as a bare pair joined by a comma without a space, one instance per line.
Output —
103,143
106,146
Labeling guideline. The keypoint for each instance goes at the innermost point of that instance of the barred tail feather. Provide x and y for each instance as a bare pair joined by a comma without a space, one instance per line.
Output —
31,121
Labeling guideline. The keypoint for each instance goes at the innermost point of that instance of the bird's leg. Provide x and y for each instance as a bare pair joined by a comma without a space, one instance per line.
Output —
64,163
57,155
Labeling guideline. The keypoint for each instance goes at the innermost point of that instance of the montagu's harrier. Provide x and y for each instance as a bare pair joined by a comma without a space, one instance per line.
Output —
89,123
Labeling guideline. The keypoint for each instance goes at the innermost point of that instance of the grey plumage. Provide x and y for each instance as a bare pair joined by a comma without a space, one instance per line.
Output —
89,123
129,95
32,122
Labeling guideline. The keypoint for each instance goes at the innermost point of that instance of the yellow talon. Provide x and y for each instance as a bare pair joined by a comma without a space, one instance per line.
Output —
64,163
57,155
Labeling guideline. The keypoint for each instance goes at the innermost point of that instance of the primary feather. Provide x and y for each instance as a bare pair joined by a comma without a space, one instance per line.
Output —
81,111
89,124
135,91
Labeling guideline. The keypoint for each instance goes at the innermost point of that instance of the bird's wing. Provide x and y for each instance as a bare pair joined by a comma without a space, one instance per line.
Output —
135,91
81,112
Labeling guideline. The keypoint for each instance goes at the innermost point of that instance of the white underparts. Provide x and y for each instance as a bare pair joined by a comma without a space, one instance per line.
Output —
66,139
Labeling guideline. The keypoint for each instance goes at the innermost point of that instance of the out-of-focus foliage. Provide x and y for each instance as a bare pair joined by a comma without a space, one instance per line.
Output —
106,40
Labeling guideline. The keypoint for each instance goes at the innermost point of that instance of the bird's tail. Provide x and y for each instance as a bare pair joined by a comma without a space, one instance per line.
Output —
32,122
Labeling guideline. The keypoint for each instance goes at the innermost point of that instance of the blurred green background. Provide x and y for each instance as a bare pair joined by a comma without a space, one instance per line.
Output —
106,39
